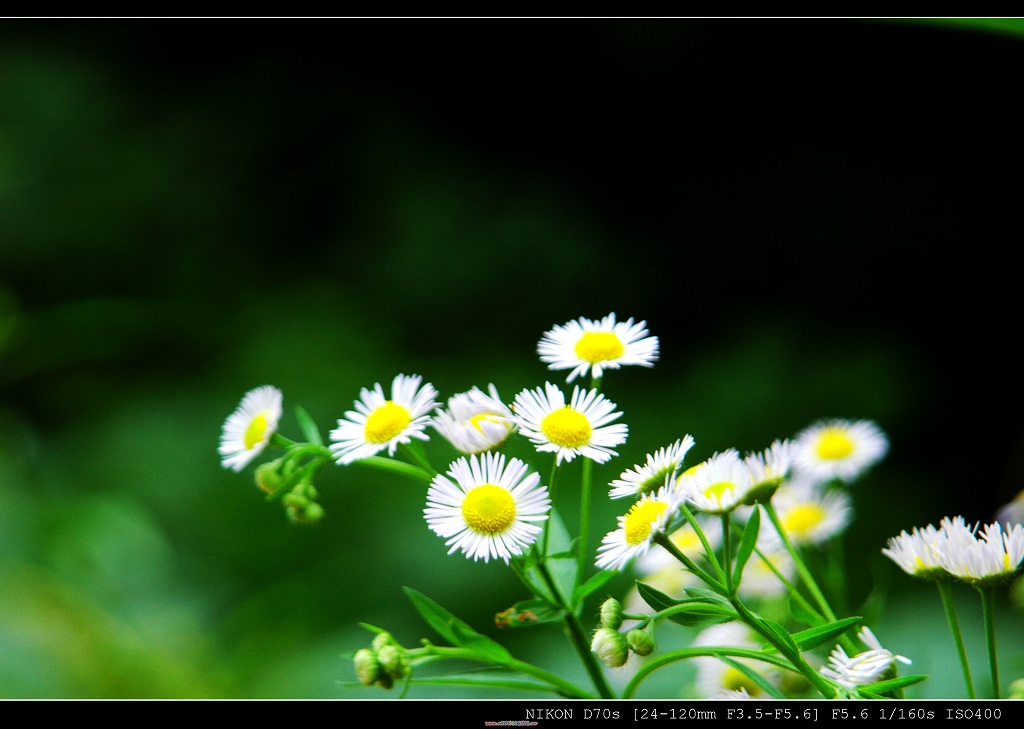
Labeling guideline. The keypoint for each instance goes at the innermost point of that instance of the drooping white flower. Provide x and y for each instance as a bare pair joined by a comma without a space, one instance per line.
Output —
864,668
475,421
643,479
248,429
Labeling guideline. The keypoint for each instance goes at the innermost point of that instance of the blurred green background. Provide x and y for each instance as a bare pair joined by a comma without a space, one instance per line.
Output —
818,218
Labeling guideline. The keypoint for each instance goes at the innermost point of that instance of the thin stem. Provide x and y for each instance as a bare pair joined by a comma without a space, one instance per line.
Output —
551,496
669,545
418,457
805,574
579,640
588,466
727,554
987,598
390,464
656,662
946,592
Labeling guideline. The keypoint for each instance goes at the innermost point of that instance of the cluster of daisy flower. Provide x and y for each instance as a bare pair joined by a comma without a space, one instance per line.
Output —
692,534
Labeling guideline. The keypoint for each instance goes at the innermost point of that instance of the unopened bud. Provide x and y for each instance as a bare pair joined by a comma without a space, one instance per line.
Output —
382,639
268,477
640,642
394,661
610,647
368,669
611,613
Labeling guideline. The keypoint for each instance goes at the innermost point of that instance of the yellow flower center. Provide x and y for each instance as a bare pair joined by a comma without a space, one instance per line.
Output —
256,430
639,518
734,679
834,444
567,428
719,489
386,422
487,417
599,347
686,539
803,518
489,509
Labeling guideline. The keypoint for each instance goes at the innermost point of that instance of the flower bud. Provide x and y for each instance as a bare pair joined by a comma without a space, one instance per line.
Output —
640,642
307,513
611,613
610,647
382,639
368,668
1017,689
394,661
268,476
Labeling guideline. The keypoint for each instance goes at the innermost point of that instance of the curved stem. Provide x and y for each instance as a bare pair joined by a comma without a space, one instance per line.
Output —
946,592
664,659
390,464
727,555
672,549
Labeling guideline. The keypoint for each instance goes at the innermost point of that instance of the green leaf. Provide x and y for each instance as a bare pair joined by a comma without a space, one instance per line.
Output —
456,631
882,687
747,544
813,637
595,583
761,682
692,613
561,564
706,595
307,426
781,635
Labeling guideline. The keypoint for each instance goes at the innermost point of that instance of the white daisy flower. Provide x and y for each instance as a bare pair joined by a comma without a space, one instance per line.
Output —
582,428
474,421
662,464
991,558
739,694
863,668
248,429
379,423
838,449
714,676
648,517
489,509
584,345
811,514
770,467
717,485
917,553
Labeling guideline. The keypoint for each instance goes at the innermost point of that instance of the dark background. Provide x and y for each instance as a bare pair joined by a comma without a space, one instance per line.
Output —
817,218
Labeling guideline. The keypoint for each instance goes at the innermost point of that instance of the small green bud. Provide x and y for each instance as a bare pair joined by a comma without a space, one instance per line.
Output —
610,647
308,513
294,500
269,477
640,642
382,639
611,613
394,661
368,669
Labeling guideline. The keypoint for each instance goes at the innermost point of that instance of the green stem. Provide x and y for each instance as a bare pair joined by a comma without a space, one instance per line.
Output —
579,639
656,662
946,592
588,466
727,554
551,496
805,574
708,551
401,467
795,659
669,545
560,684
987,599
